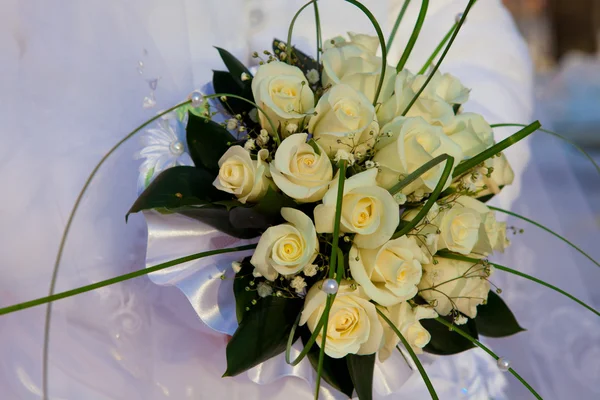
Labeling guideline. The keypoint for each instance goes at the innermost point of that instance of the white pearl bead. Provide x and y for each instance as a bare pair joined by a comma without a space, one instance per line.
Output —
196,97
503,364
330,286
458,17
176,148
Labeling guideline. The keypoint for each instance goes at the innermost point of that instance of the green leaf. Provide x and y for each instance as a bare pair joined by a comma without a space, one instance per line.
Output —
361,371
234,65
178,187
243,297
240,222
262,334
445,342
312,143
416,174
494,319
335,370
224,82
207,142
272,203
299,59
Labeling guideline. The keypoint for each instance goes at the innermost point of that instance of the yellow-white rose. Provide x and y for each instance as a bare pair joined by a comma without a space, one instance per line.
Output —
344,120
283,92
406,318
388,274
356,65
367,210
406,144
299,171
453,284
471,132
247,179
501,176
353,326
287,248
446,86
430,106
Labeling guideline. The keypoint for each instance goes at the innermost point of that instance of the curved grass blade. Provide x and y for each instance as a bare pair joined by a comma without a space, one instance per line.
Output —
373,20
63,239
120,278
495,149
417,173
547,230
487,350
438,49
318,28
414,357
397,24
437,65
453,256
430,201
581,150
289,46
414,36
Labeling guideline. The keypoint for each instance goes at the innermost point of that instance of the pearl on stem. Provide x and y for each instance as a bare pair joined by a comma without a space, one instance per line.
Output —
330,286
196,97
503,364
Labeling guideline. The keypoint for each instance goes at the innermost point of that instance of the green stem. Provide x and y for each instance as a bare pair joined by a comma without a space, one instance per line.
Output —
397,24
582,151
417,173
373,20
430,201
414,36
487,350
318,28
547,230
438,49
453,256
437,65
464,167
288,48
120,278
412,355
63,239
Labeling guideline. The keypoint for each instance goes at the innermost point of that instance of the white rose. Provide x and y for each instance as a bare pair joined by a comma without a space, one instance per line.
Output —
501,176
411,143
247,179
471,132
445,86
492,234
287,248
367,210
283,92
367,43
357,66
353,326
406,319
453,284
430,106
344,120
502,241
299,171
388,274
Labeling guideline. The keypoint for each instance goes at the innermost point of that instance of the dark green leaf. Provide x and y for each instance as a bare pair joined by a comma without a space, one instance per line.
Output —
271,204
243,297
456,108
445,342
488,197
239,222
178,187
233,65
361,371
299,59
494,319
223,82
207,142
335,370
262,334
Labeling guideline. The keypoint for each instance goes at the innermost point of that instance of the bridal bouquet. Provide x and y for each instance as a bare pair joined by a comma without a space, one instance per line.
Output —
359,188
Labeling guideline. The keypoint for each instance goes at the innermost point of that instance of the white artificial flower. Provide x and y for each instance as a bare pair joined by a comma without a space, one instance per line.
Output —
407,320
455,285
287,248
342,154
311,270
388,274
312,76
400,198
354,325
299,171
245,76
264,289
298,284
250,144
409,143
256,273
237,266
281,90
163,147
232,123
502,175
241,176
369,164
291,128
368,210
460,320
345,119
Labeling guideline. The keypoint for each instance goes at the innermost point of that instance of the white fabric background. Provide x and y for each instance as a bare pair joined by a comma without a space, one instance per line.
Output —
69,89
